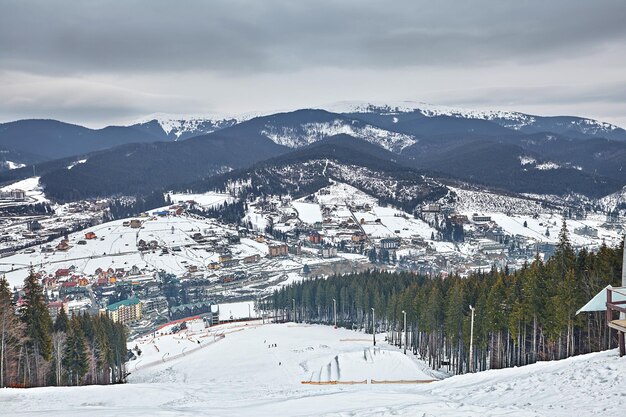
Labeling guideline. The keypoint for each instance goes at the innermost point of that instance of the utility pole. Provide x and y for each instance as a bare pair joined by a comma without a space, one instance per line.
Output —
293,300
471,352
335,311
374,326
622,316
406,335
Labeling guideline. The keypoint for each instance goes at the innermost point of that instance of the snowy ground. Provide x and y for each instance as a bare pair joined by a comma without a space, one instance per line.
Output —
205,200
243,374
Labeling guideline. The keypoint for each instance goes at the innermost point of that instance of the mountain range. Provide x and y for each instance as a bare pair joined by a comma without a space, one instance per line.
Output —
510,151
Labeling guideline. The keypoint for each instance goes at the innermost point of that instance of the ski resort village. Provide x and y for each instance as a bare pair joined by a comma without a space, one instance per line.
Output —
179,249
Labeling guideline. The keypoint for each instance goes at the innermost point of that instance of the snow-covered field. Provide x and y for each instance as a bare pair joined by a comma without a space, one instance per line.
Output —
257,370
205,200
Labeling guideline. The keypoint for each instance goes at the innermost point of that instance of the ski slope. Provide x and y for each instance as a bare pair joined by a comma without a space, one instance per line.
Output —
243,374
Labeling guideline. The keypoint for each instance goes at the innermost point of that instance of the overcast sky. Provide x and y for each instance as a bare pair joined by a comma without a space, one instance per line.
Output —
104,62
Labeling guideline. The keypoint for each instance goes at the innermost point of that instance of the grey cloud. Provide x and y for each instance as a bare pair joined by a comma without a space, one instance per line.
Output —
280,35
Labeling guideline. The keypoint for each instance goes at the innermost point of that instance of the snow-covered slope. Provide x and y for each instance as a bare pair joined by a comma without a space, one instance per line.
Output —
307,133
509,119
257,370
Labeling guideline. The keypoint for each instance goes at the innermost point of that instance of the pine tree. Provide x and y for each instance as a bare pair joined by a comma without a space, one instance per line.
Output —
38,327
75,357
11,334
61,323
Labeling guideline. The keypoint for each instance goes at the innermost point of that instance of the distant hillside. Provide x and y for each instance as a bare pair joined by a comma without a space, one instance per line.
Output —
44,140
341,158
139,169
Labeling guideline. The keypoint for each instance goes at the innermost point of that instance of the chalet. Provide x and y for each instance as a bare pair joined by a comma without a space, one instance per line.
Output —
82,281
64,272
358,237
135,224
192,268
213,266
278,250
90,235
252,259
315,238
225,258
63,245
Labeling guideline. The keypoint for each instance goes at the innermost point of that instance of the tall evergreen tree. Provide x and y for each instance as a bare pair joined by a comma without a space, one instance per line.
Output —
75,357
38,323
11,335
61,324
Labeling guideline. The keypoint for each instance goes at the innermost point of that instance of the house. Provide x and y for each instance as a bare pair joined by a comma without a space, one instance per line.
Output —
315,238
278,250
225,258
90,235
252,259
213,266
63,245
135,224
63,272
358,237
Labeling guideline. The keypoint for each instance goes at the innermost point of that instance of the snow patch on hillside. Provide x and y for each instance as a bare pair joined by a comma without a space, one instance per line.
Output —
545,166
312,132
73,164
12,165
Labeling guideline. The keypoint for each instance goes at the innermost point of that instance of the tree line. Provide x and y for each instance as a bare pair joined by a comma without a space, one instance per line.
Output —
76,350
520,317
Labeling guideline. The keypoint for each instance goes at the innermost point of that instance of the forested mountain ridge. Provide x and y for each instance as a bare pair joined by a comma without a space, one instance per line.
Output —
500,150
